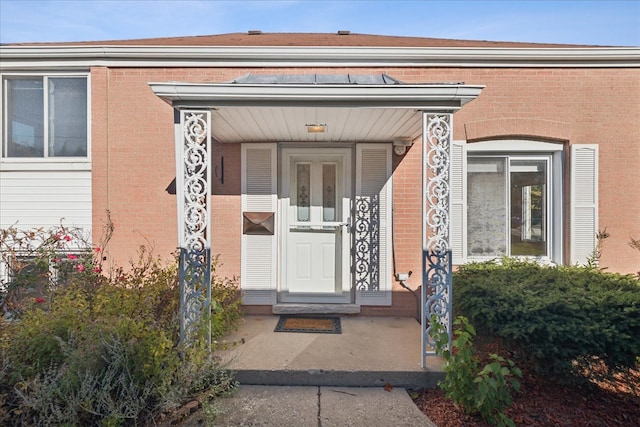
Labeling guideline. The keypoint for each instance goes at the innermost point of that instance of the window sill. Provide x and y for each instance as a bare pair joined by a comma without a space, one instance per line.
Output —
498,260
17,165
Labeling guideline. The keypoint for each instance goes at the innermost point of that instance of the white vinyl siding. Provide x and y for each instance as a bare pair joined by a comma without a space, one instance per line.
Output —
53,187
373,182
258,252
43,198
584,201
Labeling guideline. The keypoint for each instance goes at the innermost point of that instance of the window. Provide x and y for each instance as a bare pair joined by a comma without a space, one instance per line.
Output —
45,117
36,274
26,273
508,197
508,206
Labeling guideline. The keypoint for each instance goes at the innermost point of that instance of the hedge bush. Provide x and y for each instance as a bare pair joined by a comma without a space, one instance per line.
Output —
564,319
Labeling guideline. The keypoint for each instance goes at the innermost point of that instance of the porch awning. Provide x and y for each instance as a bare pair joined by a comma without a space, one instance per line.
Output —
277,108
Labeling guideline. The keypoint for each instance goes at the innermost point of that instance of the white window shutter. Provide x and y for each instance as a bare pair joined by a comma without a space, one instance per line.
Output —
372,224
458,205
584,202
258,252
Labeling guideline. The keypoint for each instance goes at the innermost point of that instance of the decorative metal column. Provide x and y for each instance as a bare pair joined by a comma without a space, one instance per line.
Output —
436,247
193,187
367,243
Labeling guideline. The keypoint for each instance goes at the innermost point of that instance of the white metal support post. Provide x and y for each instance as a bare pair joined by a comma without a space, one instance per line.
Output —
193,189
437,140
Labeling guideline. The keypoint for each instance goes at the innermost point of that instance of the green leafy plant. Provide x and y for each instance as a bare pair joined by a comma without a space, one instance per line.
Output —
635,244
226,311
593,260
485,392
103,349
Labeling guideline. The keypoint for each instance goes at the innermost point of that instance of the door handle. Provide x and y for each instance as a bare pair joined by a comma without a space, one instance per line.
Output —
347,224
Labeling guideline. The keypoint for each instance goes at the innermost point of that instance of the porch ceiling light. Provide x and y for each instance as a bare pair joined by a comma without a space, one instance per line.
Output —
316,127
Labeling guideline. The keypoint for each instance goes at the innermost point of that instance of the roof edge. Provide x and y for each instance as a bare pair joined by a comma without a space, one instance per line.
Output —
440,97
340,38
42,57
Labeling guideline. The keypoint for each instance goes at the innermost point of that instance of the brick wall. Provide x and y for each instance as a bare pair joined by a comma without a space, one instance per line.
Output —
134,159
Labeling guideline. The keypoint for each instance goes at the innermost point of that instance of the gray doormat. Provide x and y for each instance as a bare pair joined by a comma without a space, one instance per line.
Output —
309,324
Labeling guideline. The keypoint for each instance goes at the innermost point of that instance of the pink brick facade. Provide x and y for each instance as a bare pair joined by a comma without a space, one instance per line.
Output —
133,153
133,134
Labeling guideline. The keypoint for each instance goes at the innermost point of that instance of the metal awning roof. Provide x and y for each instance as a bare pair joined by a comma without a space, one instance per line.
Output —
355,108
344,79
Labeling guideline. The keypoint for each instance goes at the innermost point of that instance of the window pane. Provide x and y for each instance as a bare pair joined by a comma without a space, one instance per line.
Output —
25,118
303,180
487,207
29,278
329,192
528,207
67,117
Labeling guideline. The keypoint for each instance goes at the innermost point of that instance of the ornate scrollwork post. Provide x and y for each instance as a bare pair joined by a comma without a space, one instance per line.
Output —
193,187
367,248
436,247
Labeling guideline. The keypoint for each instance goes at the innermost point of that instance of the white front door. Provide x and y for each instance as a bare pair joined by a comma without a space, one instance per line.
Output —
316,199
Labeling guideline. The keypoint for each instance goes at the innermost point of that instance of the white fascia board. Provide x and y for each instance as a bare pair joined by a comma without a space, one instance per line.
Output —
76,57
422,97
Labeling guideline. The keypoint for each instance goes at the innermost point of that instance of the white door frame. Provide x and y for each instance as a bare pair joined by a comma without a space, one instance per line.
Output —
345,177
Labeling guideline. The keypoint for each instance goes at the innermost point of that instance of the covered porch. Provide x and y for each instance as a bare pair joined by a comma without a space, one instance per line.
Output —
370,352
350,122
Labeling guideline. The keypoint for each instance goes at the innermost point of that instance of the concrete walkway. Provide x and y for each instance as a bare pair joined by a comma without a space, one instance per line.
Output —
287,406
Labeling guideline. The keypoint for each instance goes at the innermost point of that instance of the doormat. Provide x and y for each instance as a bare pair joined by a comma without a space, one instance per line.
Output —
309,324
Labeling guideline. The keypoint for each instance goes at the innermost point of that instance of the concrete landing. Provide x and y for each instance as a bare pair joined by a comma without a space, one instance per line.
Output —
370,352
266,406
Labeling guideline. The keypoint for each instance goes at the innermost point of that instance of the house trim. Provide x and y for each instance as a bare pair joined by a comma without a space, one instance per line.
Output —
81,57
435,97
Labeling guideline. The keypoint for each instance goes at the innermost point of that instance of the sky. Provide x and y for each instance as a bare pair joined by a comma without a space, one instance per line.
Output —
591,22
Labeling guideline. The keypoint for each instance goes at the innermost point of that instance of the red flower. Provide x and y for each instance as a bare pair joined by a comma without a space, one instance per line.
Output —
39,300
57,237
67,238
72,256
80,268
97,270
97,249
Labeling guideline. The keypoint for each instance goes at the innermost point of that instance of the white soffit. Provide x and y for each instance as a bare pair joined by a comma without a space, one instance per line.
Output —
287,124
352,113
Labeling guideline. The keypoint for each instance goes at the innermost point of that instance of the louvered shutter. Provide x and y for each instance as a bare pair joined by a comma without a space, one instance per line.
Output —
584,202
372,224
458,205
258,252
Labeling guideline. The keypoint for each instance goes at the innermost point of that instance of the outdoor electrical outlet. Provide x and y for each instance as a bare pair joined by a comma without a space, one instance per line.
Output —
402,277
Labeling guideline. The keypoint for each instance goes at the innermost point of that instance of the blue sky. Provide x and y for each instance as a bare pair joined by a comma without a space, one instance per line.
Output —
592,22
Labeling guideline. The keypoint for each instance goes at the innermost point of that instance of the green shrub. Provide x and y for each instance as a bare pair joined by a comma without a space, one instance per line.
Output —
564,319
486,391
226,308
105,350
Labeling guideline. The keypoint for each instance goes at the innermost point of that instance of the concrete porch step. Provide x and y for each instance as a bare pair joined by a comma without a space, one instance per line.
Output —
290,308
370,352
335,378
